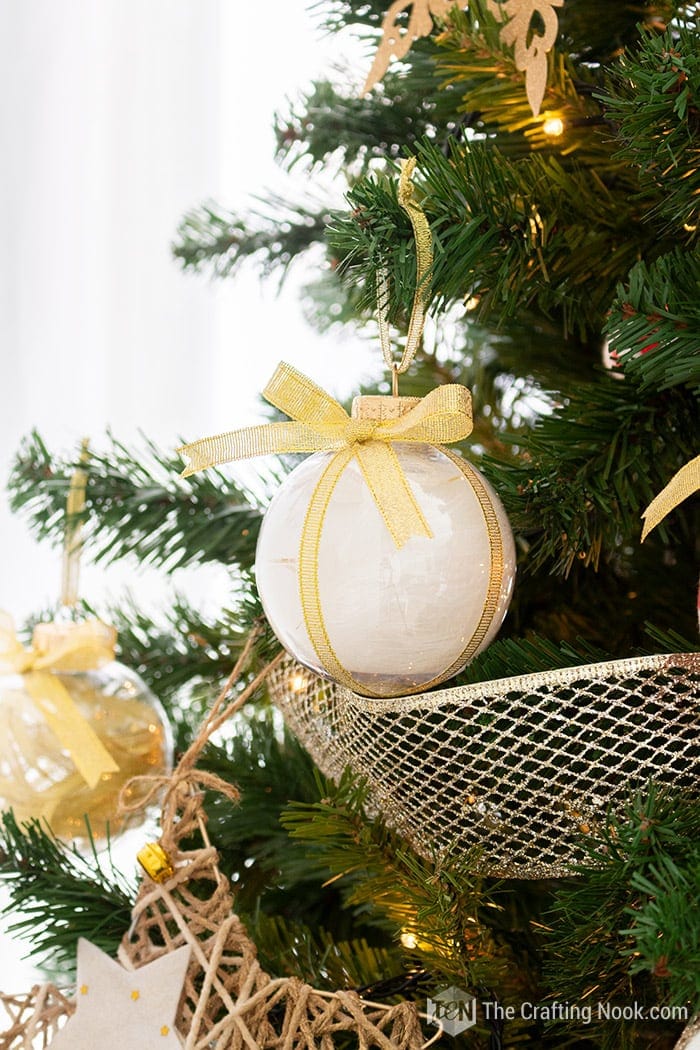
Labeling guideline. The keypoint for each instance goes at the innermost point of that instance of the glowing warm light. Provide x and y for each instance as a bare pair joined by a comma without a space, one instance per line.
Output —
471,303
297,682
409,940
554,127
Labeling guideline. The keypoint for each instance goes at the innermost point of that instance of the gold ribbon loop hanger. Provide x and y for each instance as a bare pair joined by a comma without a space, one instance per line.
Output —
424,263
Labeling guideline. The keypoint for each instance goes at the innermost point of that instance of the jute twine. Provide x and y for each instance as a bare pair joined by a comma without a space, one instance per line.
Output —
228,1001
33,1019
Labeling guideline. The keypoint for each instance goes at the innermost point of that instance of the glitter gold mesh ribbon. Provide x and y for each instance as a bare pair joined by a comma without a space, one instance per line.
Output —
55,648
516,771
681,485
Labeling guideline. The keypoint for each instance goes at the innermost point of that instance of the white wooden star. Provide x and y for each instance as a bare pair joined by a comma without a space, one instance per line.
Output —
120,1009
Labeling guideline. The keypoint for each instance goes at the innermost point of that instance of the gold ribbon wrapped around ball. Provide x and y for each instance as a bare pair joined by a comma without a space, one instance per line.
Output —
319,423
56,648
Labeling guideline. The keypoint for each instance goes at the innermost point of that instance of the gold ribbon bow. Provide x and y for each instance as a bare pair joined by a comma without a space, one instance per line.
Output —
320,424
683,484
55,648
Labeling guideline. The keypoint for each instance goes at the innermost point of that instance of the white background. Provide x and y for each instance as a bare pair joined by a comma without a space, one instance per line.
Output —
115,118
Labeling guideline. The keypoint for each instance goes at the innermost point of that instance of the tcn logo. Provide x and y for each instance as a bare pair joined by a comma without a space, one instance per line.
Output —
452,1008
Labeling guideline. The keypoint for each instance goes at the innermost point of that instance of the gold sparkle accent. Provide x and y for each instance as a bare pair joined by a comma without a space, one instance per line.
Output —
165,1030
83,989
136,994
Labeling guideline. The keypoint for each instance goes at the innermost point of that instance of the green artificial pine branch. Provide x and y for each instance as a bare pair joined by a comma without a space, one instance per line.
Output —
269,870
596,31
512,657
592,468
380,125
287,947
185,657
137,505
211,238
592,950
472,64
654,323
656,103
440,905
58,895
500,235
665,928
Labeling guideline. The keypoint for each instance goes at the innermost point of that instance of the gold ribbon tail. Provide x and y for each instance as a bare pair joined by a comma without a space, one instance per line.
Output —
393,497
73,732
682,484
264,440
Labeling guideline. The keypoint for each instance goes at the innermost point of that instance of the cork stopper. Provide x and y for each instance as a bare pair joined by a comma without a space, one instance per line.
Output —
381,407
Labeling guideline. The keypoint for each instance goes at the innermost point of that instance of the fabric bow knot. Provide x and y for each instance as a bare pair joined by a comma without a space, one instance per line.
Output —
72,647
319,423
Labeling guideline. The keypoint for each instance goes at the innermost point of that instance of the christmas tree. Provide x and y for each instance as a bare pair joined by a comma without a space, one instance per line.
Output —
564,294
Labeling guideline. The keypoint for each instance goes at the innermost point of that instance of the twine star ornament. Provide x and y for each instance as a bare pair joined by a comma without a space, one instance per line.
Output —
120,1009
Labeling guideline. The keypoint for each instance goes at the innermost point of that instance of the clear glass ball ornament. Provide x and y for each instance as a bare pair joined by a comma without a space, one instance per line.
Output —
38,776
400,620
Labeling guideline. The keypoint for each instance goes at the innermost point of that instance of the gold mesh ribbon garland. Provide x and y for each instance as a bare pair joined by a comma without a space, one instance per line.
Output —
517,769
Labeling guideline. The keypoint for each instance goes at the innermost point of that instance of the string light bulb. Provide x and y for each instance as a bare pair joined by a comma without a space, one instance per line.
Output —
409,940
553,127
298,682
